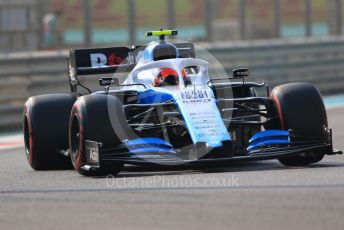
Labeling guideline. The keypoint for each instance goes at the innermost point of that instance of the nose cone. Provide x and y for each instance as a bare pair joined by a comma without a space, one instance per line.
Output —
202,117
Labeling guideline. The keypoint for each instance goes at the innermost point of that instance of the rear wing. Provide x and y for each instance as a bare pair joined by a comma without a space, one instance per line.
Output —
111,60
98,61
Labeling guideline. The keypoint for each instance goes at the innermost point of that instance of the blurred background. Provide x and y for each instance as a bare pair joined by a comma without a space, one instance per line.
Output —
279,40
57,24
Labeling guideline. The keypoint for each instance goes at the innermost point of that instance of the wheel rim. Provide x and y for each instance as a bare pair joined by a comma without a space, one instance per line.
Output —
75,138
27,137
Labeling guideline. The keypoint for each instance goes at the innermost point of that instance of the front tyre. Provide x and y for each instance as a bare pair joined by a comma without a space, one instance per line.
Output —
89,120
301,108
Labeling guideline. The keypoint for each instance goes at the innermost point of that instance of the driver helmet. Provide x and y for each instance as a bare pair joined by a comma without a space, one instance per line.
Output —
168,77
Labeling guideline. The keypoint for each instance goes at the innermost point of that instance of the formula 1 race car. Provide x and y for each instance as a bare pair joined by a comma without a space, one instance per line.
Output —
169,111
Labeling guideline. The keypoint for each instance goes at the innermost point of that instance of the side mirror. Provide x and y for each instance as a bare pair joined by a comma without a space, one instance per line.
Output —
241,73
107,81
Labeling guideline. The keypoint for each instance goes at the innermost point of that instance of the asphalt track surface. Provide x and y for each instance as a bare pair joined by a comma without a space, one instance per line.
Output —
259,195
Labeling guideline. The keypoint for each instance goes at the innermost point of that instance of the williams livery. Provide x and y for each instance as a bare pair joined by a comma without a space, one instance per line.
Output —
159,104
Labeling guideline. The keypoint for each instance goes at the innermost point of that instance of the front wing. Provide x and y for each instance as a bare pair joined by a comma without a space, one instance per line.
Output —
166,157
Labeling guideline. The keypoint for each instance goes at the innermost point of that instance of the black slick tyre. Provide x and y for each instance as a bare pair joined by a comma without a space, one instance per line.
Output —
300,108
45,129
90,120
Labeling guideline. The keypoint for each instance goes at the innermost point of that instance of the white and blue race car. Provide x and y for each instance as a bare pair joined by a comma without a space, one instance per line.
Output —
170,111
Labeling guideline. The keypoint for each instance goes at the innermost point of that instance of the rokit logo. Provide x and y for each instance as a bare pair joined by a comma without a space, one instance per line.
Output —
101,60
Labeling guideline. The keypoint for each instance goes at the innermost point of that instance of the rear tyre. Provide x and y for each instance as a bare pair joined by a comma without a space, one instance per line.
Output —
45,128
90,121
301,108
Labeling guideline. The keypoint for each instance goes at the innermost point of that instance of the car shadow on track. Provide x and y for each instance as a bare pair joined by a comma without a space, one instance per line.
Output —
141,171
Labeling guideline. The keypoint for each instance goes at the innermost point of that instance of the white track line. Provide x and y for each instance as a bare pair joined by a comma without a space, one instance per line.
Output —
330,107
11,141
